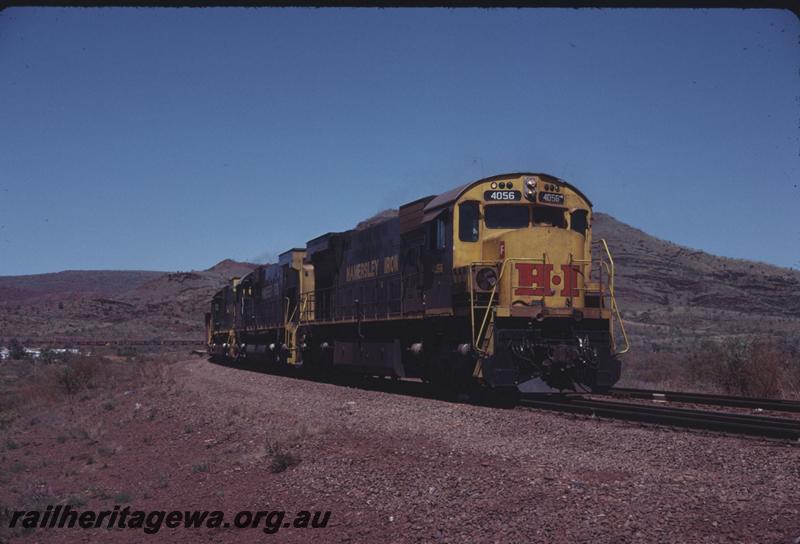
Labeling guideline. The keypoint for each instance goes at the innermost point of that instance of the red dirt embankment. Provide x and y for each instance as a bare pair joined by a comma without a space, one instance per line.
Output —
390,468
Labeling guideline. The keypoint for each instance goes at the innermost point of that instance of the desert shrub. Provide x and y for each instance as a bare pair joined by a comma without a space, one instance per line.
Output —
743,366
78,374
283,460
280,458
47,382
752,368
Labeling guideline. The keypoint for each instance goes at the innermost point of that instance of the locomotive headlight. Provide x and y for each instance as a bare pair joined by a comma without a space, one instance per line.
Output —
530,188
486,278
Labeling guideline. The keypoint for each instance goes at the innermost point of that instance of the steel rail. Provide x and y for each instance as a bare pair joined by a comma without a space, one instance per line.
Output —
702,398
695,419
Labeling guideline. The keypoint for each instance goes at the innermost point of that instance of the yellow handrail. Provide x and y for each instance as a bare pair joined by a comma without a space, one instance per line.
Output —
488,305
288,319
476,339
304,297
614,307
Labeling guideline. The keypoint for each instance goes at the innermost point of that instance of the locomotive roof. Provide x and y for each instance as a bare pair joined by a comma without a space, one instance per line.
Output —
445,199
431,205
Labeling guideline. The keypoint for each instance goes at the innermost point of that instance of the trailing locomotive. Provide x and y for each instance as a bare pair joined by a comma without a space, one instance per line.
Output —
492,283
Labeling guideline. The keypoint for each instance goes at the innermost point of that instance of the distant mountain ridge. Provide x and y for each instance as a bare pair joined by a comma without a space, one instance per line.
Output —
71,283
99,283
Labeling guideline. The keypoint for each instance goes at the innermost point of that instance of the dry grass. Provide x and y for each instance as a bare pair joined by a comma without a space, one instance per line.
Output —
743,366
80,402
81,377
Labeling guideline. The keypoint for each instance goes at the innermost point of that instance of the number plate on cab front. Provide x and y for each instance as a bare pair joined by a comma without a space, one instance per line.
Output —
502,195
551,198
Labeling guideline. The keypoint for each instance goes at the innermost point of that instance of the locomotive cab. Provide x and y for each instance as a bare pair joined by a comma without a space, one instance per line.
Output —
524,274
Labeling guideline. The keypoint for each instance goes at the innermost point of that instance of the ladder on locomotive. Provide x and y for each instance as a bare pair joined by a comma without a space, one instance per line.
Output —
293,320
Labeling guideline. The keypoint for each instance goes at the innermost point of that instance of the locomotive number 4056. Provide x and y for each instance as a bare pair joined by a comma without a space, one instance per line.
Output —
502,195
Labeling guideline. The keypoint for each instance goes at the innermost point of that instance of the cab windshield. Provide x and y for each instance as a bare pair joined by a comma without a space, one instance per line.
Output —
515,216
506,216
545,216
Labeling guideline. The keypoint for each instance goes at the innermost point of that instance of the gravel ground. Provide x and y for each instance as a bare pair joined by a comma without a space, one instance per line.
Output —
394,468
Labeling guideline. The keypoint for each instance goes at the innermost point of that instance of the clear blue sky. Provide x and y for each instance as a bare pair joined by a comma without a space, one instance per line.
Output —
170,139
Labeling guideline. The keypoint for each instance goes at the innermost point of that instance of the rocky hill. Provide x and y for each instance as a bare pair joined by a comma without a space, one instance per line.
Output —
673,297
109,305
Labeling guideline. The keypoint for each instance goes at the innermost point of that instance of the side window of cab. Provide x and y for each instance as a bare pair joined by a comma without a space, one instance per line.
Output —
579,221
468,218
438,231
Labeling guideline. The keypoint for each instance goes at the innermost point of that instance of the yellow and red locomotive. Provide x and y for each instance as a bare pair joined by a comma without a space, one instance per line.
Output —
493,282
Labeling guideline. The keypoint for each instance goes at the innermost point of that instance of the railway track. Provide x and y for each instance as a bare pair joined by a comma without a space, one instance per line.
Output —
701,398
763,426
